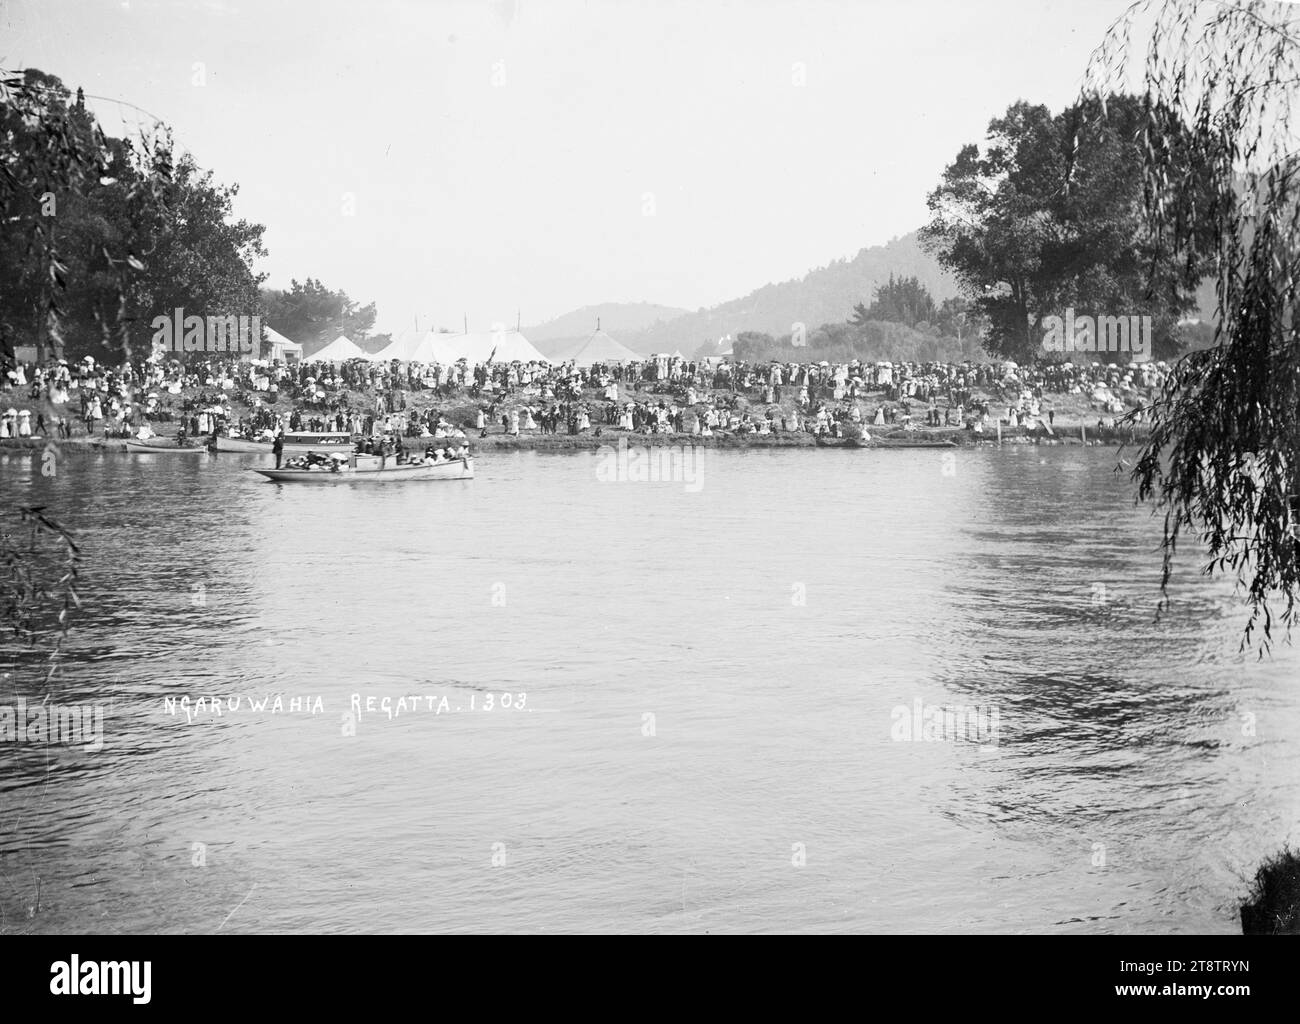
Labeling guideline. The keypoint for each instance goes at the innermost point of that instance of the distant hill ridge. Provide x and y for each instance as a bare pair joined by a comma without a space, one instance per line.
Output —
616,318
824,295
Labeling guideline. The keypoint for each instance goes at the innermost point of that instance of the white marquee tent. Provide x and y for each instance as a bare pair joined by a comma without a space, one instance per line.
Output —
502,346
277,346
339,350
601,348
436,347
399,347
425,347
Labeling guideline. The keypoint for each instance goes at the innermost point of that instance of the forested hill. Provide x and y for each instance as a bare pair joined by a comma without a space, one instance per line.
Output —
824,295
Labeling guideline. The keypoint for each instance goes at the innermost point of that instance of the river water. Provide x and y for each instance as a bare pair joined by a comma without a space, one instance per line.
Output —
643,706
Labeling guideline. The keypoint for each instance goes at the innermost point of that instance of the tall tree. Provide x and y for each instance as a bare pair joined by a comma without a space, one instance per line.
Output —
105,234
1048,217
900,301
1222,457
52,156
312,314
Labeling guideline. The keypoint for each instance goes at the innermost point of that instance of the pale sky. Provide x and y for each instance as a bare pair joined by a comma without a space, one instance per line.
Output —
504,155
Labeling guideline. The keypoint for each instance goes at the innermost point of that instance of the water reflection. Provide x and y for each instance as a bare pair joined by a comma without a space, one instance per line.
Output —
769,624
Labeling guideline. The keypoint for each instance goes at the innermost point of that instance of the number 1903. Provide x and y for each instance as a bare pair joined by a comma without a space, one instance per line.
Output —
491,701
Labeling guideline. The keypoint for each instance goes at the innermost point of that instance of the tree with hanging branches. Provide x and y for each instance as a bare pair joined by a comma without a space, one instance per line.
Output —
1221,460
55,163
53,156
40,564
103,234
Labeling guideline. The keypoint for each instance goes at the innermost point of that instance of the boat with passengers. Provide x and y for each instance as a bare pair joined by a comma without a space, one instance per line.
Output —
378,467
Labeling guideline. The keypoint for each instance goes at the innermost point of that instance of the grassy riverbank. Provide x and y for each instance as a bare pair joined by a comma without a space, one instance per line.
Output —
1075,421
590,440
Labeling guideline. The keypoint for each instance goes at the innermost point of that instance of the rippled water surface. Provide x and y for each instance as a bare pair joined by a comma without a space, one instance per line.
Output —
708,681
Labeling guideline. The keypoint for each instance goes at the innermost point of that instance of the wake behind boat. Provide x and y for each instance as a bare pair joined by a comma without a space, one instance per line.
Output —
337,468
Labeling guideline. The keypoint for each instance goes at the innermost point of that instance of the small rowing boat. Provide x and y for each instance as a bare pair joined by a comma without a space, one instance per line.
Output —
840,442
373,469
242,446
887,443
163,448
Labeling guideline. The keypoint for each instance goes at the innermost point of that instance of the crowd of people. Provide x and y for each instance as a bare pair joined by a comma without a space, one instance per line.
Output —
663,394
387,447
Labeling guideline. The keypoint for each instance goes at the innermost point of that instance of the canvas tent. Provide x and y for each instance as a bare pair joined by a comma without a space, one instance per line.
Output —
403,347
339,350
277,346
423,347
601,348
509,346
399,348
436,347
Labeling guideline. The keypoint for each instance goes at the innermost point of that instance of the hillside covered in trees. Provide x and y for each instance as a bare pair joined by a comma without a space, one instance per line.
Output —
822,296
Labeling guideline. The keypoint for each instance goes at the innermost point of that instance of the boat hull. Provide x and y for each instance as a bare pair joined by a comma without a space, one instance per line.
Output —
459,469
914,444
239,445
840,442
141,448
